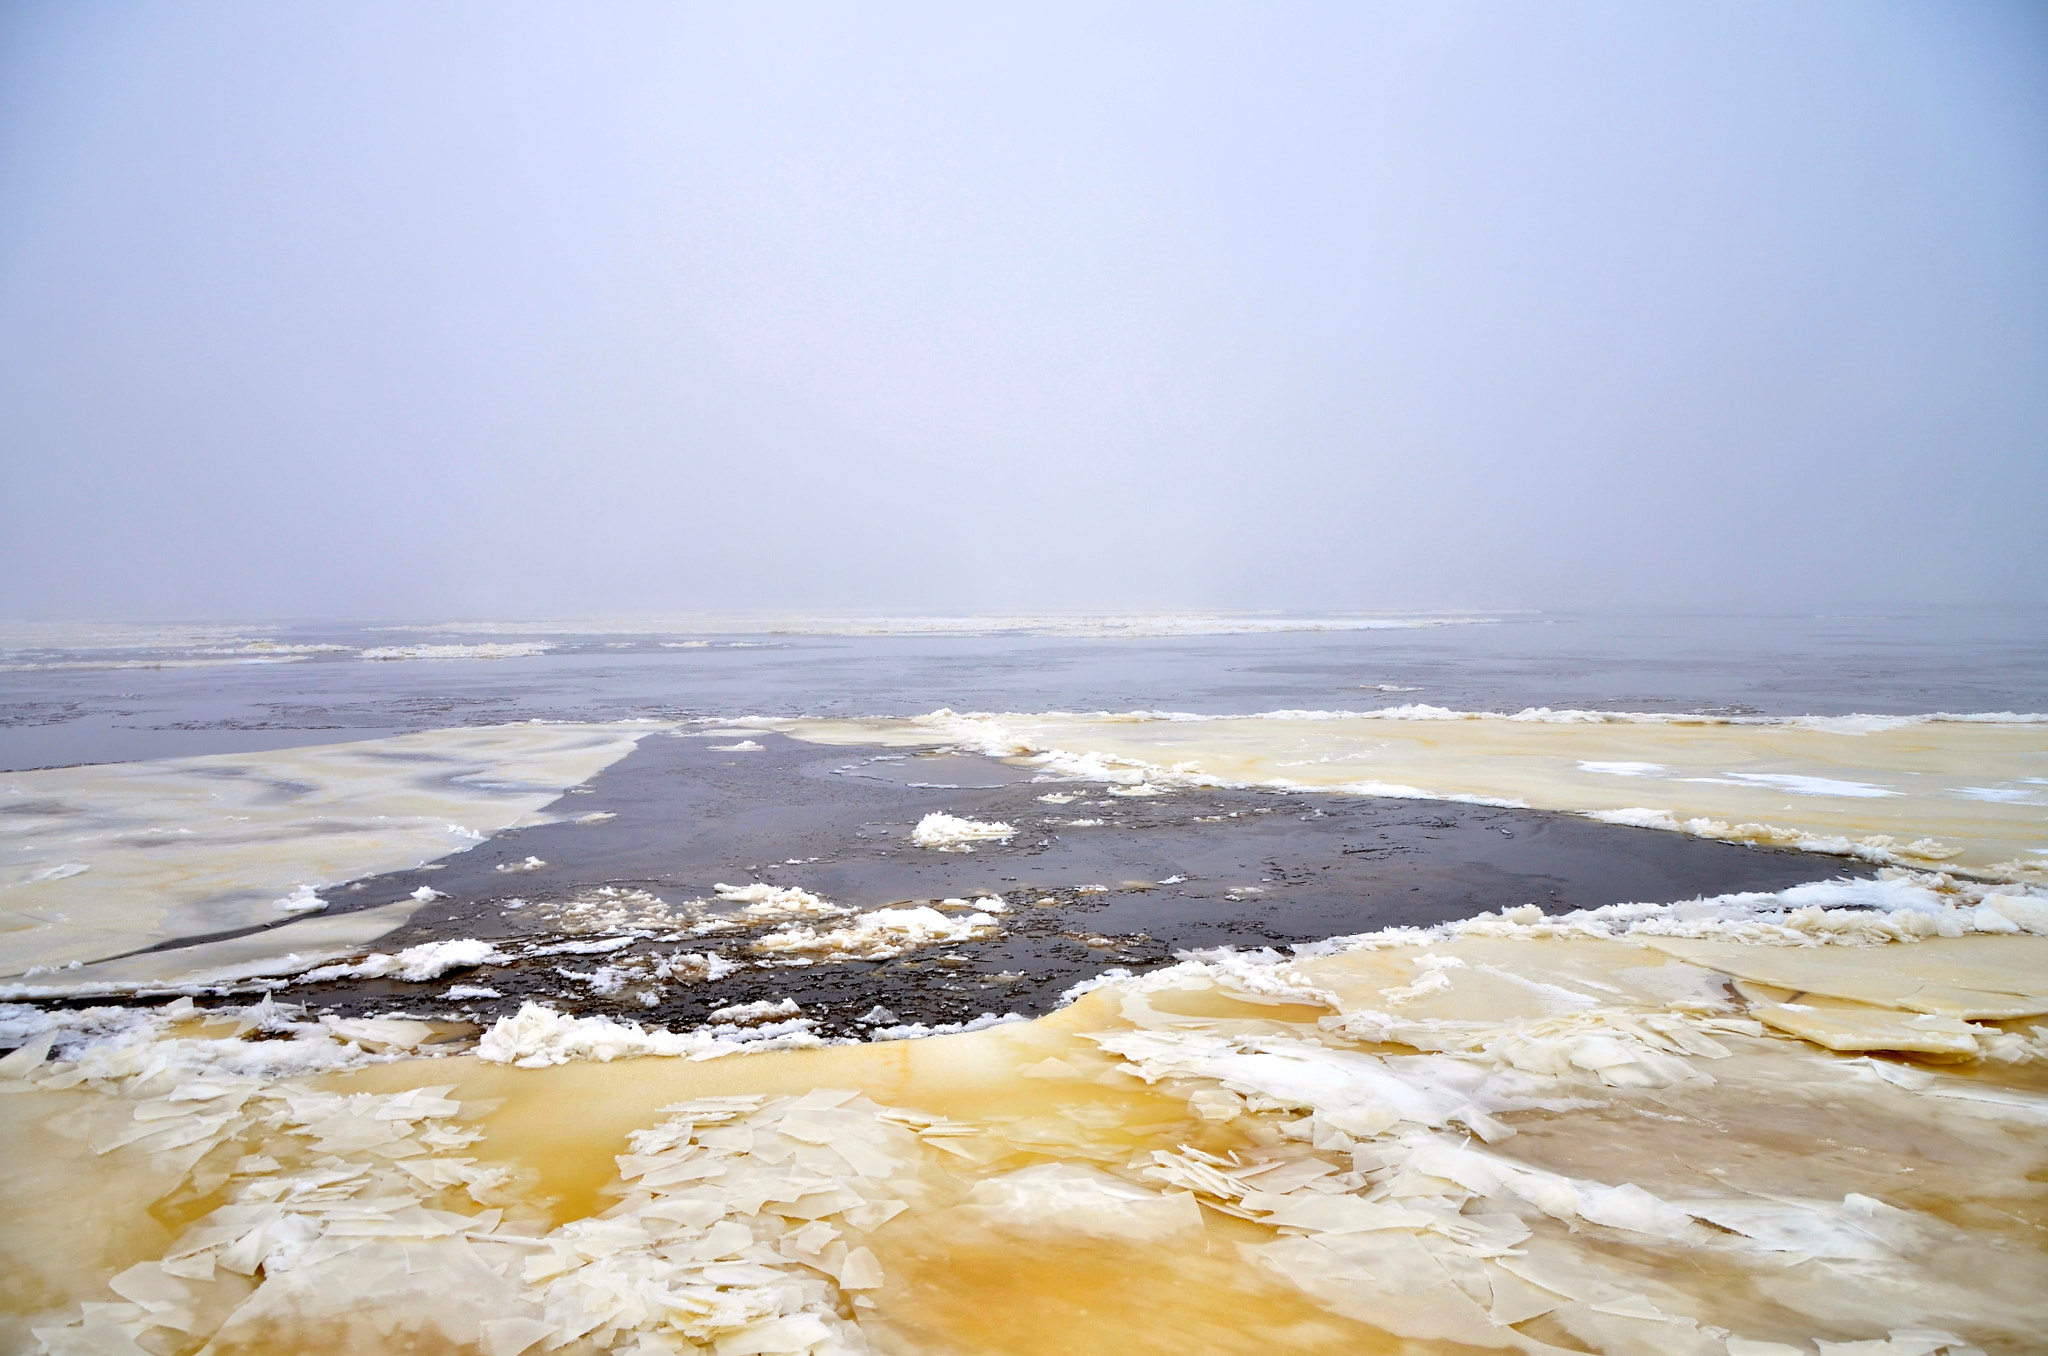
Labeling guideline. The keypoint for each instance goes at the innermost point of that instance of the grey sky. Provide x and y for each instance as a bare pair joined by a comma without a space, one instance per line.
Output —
500,310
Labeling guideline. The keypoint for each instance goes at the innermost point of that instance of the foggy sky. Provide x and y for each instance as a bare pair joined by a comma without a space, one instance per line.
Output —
495,310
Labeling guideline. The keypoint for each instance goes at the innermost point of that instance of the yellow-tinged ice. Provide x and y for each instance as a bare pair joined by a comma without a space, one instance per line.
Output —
1631,1131
103,860
1977,977
1841,1024
1969,792
1512,1134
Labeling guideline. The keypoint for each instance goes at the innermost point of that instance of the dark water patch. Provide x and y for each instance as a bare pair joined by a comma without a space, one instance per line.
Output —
678,817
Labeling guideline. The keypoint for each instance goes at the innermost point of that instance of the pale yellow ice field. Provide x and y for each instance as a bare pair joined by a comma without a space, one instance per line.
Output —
101,860
1968,792
1514,1134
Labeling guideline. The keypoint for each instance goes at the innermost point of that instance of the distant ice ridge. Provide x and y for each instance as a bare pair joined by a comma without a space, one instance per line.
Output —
153,663
1535,715
275,647
1141,624
27,635
522,650
92,646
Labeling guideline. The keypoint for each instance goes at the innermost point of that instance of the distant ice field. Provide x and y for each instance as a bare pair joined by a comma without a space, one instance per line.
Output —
90,693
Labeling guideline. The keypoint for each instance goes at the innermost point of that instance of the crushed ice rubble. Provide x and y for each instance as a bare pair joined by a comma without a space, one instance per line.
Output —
620,917
743,1220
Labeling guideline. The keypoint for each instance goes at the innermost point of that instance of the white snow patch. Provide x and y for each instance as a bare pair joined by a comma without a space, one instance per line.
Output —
949,833
910,1031
779,901
300,900
878,935
1637,817
537,1036
986,903
415,964
63,872
1801,785
759,1011
1999,795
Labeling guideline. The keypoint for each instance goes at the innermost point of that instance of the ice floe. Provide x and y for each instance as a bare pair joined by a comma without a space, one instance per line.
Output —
300,900
877,935
536,1036
773,901
950,833
227,835
415,964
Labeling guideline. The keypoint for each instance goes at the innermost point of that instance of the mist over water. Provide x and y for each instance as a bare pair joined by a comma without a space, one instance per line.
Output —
471,311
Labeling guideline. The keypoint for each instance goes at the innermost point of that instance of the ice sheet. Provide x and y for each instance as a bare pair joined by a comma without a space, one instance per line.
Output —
1999,976
192,846
275,952
1884,789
